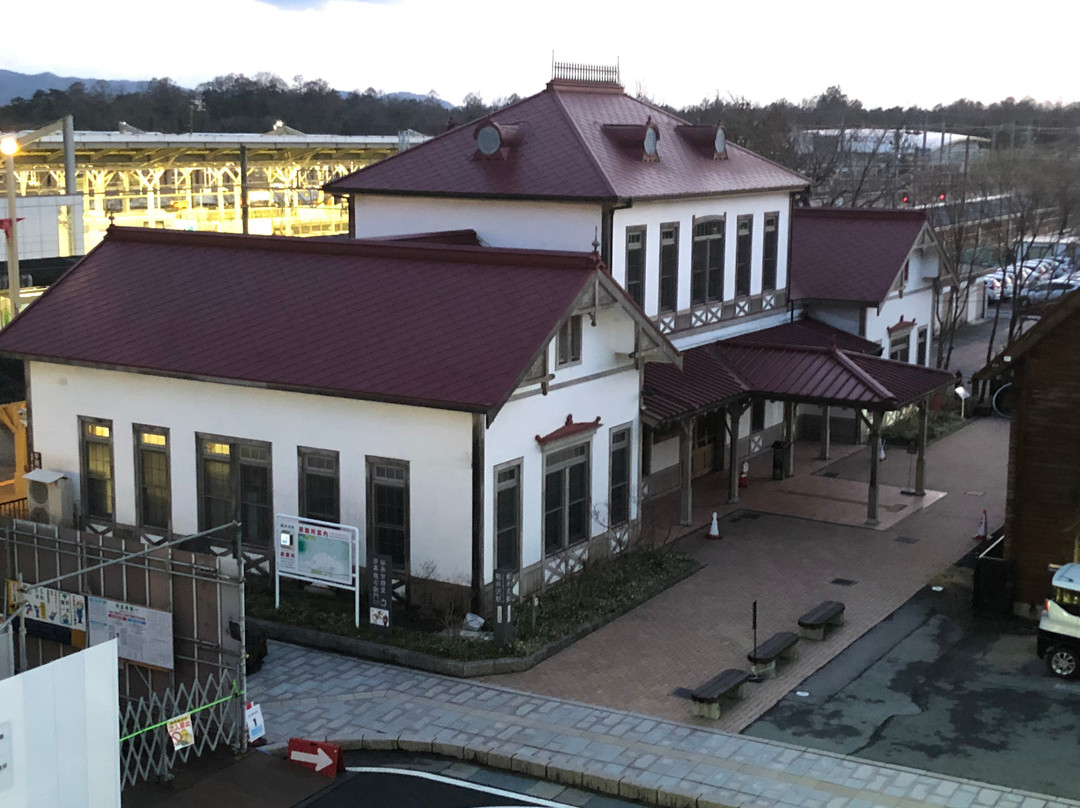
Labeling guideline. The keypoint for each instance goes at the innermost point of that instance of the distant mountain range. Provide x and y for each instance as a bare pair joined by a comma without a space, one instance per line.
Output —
23,85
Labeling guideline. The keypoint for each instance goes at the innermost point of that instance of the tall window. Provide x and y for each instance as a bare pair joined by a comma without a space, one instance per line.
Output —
744,252
234,478
388,510
768,258
566,497
153,496
507,517
97,468
707,262
669,267
619,497
569,342
319,497
899,347
920,346
635,264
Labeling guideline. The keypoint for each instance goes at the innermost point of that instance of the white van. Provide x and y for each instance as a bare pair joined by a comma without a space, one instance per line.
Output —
1059,627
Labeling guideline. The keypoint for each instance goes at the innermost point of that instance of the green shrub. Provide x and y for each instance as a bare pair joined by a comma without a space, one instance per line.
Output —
604,589
905,430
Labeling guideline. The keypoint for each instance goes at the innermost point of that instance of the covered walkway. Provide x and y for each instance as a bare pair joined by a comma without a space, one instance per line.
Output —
800,363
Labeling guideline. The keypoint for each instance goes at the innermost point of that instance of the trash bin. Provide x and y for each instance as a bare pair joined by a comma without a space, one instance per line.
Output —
778,449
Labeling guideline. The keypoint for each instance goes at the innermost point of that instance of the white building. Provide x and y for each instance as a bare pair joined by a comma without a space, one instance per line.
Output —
465,408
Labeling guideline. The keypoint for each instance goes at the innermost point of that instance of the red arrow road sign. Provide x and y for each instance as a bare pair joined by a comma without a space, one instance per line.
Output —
325,758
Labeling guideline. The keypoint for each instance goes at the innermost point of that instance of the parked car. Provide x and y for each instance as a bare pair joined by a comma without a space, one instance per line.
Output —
1046,292
999,286
1058,641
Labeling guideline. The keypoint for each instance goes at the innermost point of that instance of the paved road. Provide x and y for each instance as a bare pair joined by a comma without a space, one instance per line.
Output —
933,687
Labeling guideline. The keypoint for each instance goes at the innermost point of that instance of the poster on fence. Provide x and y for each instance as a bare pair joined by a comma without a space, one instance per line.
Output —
180,731
145,635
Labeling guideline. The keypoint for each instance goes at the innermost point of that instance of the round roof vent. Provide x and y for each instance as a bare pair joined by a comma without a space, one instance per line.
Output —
488,139
720,142
652,137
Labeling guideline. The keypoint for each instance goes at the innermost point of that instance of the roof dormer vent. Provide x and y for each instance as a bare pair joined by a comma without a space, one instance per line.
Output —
493,139
711,140
651,142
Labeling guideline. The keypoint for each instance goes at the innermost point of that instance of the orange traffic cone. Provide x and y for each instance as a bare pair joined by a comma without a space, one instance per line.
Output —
982,528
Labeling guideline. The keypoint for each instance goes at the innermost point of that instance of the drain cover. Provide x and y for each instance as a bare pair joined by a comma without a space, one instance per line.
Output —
844,582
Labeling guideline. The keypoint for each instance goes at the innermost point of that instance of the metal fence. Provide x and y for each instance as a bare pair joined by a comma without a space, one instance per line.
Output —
203,592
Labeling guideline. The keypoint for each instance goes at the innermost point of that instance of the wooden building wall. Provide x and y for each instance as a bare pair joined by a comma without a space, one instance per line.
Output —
1044,460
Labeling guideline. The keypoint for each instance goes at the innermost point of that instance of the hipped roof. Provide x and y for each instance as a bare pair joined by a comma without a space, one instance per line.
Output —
728,372
570,143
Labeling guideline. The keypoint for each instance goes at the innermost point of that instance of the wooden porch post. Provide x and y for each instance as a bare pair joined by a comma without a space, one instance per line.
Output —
872,498
920,457
789,438
826,433
686,444
734,416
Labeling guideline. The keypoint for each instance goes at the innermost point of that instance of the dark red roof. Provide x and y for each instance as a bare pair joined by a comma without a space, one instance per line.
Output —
850,254
446,326
807,332
724,372
572,142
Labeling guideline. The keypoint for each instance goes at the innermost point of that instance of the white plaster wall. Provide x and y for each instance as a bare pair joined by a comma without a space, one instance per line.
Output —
499,223
917,305
436,443
40,234
846,318
585,391
652,214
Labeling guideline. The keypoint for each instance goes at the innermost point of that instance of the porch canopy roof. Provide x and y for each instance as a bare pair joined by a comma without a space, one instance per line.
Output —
742,368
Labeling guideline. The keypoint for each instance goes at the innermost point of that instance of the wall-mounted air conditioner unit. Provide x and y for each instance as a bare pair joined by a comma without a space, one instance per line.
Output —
50,498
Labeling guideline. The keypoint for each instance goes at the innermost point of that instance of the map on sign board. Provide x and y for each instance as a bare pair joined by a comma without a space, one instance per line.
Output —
317,551
145,636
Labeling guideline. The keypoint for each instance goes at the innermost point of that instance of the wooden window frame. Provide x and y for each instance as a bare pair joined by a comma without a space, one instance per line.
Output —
237,463
744,255
372,464
668,299
706,281
568,342
87,439
498,487
140,446
582,456
635,286
922,345
624,432
770,251
303,455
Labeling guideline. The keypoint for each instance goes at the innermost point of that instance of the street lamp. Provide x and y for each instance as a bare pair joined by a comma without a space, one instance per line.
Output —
8,146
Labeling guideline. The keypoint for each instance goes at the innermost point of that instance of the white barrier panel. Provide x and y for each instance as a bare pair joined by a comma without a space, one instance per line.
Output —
60,733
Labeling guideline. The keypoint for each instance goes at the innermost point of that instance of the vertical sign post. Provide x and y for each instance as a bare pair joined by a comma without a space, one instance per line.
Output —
379,594
503,594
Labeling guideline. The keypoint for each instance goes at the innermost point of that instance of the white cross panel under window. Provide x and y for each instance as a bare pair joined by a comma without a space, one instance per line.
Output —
705,316
742,307
666,323
768,302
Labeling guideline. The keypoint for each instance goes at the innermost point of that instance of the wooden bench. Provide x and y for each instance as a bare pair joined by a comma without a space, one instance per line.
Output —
827,613
781,644
728,684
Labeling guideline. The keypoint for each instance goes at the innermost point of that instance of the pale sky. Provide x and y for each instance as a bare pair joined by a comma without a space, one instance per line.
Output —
676,51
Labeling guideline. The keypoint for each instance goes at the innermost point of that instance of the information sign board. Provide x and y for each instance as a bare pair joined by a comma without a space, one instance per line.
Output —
145,636
51,607
323,553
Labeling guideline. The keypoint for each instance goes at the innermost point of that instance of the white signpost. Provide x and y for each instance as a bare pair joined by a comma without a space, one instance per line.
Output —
321,553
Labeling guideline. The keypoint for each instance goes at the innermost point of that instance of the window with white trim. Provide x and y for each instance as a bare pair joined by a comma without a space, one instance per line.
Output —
319,485
388,509
619,495
669,267
234,479
769,253
508,516
96,448
566,497
153,496
707,262
569,342
744,254
635,264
